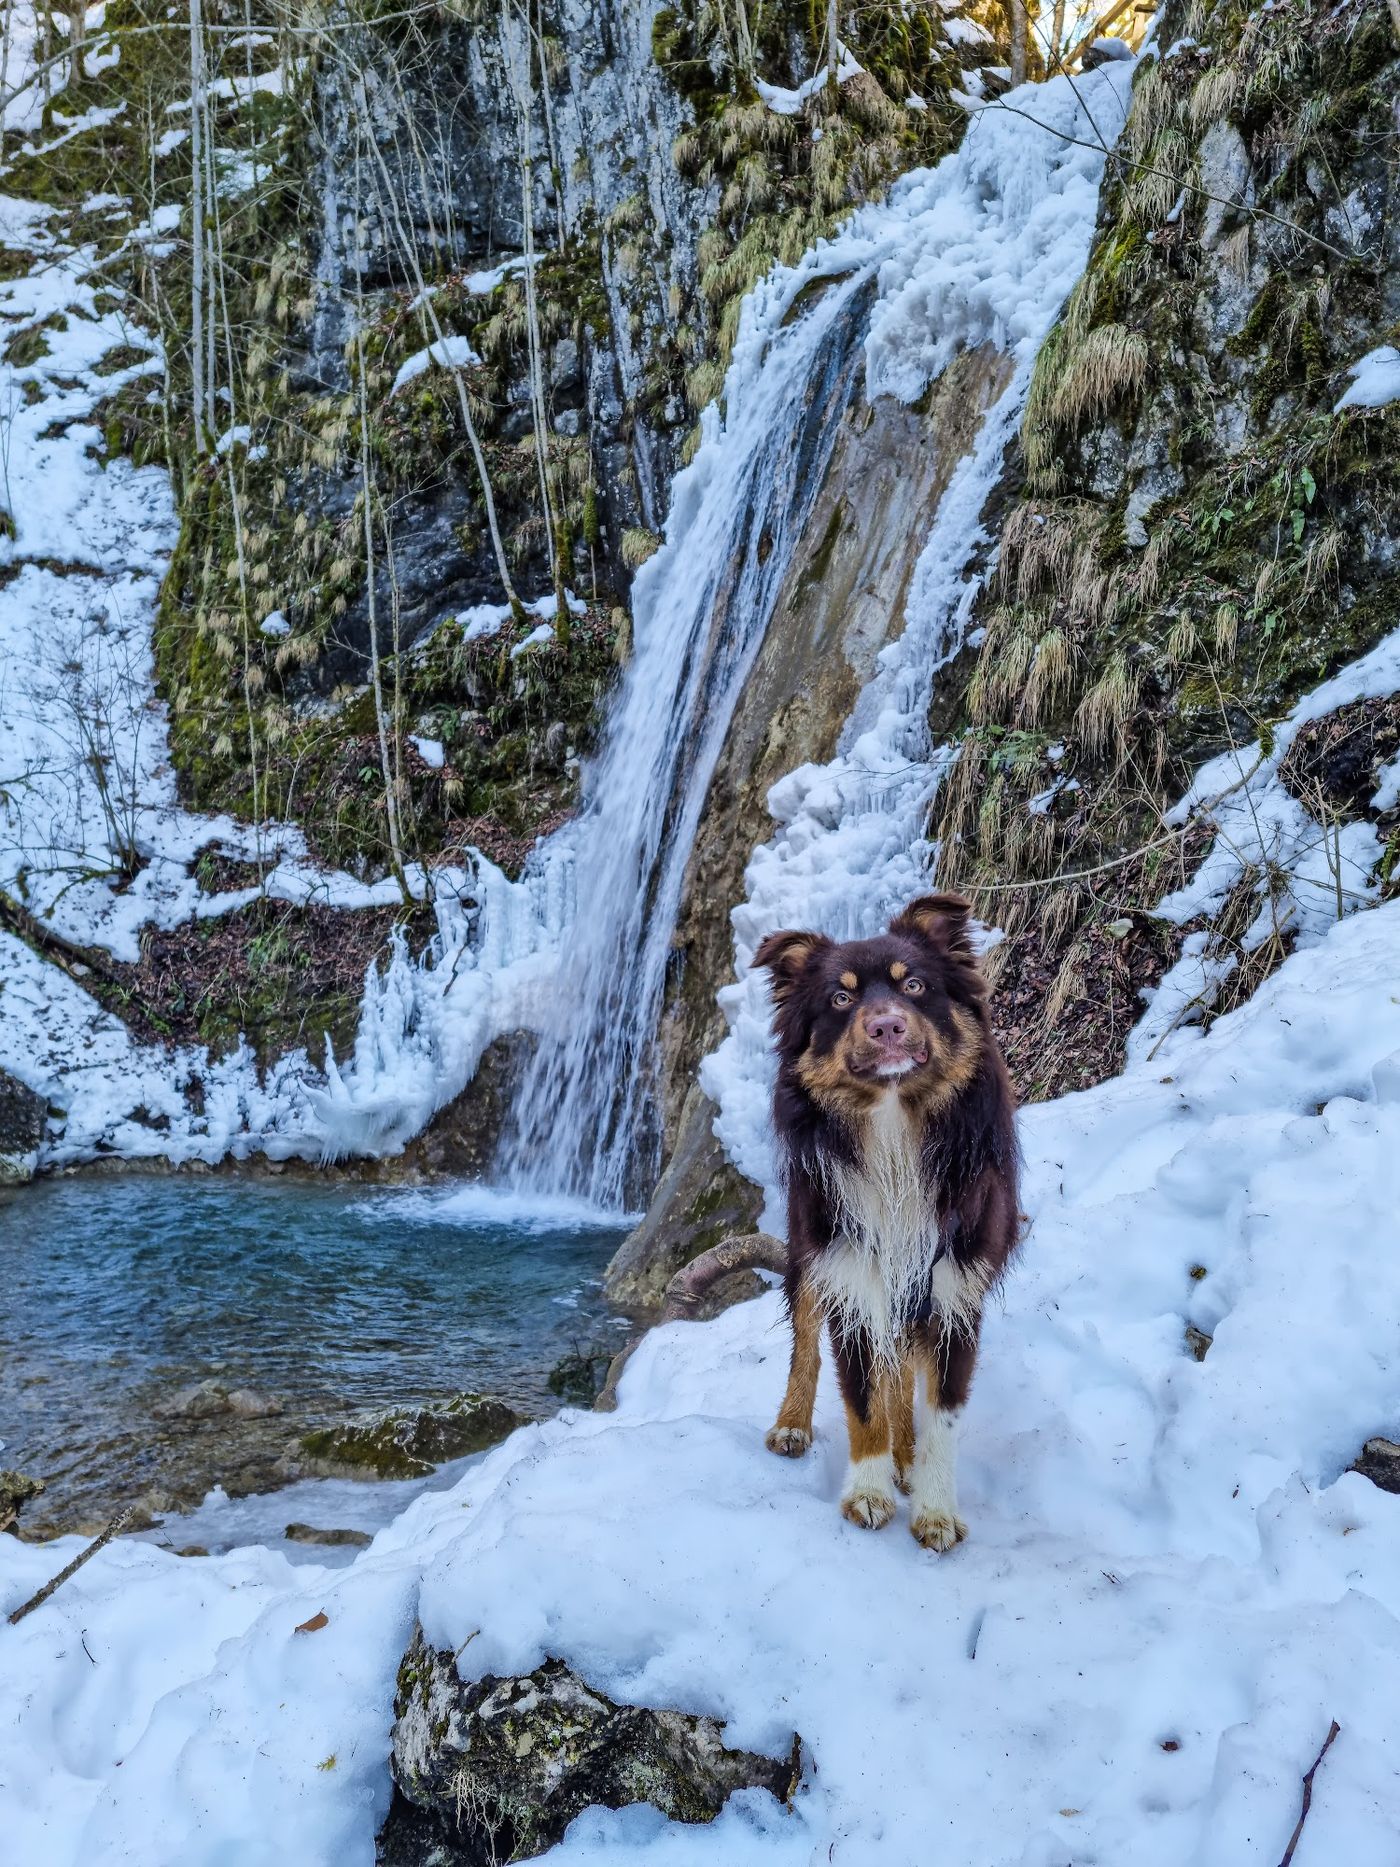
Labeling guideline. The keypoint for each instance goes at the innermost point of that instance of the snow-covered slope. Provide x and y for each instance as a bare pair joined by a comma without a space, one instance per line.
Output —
1172,1584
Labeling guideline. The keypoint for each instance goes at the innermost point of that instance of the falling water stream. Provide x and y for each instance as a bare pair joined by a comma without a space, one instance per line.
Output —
582,1121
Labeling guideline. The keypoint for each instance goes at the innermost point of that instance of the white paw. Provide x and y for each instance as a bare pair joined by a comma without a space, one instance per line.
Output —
867,1508
903,1477
789,1442
937,1529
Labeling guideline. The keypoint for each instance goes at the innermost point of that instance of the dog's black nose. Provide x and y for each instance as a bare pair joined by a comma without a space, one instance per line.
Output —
886,1027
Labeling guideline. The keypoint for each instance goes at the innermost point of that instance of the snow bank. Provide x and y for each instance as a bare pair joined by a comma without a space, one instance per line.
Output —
1171,1587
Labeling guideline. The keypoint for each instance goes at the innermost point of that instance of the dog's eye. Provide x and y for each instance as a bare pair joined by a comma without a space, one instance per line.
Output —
841,1001
913,987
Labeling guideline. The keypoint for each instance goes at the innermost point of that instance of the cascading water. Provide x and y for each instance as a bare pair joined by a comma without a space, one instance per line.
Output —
580,1123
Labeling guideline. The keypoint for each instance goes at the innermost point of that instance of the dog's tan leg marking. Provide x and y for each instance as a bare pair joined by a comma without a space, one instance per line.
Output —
904,1426
791,1433
868,1499
933,1502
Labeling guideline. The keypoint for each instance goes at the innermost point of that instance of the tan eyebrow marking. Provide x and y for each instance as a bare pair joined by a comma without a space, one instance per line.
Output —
850,981
898,970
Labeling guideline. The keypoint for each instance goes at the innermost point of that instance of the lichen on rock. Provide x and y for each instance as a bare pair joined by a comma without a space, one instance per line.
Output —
407,1442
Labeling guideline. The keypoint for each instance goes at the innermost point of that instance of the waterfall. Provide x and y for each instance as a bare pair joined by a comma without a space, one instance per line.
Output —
581,1122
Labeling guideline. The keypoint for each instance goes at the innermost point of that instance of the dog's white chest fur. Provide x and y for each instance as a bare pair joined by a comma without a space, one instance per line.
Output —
880,1266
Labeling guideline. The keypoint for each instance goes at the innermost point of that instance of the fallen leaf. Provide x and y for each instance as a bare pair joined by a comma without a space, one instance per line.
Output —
315,1624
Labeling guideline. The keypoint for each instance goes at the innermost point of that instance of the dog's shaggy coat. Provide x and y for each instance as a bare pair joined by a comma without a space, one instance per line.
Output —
896,1122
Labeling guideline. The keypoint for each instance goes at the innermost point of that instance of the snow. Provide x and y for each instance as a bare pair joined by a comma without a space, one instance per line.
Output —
275,623
1320,872
988,246
1375,380
535,639
1171,1586
431,751
788,103
966,32
445,352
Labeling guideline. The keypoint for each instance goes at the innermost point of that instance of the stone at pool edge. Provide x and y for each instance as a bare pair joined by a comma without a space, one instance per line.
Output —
1379,1460
495,1769
23,1115
330,1539
407,1442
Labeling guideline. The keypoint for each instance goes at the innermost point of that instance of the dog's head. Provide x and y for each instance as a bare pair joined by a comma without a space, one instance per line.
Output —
858,1017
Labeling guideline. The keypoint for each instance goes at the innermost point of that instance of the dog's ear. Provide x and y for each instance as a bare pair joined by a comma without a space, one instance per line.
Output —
941,920
787,956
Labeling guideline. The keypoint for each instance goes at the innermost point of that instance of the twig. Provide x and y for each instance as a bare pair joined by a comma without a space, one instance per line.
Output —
1297,1835
114,1528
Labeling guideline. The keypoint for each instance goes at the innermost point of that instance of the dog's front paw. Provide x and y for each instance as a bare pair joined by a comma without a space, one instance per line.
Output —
789,1442
867,1508
938,1529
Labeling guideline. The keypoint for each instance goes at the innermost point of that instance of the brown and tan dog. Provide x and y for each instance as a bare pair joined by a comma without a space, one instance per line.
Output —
895,1118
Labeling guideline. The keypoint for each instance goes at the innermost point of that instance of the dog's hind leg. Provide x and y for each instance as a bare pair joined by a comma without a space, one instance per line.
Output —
791,1433
946,1356
869,1393
904,1425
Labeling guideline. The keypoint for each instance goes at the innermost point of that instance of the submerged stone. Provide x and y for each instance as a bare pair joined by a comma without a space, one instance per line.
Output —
331,1539
207,1400
407,1442
495,1769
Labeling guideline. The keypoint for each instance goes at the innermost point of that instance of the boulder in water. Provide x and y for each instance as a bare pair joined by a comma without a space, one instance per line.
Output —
407,1442
495,1769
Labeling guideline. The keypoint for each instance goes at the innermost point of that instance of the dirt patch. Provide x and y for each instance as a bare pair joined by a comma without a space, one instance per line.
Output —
1086,1041
507,846
1334,765
283,976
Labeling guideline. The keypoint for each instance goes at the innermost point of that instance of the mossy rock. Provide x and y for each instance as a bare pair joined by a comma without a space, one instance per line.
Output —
578,1377
407,1442
495,1769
